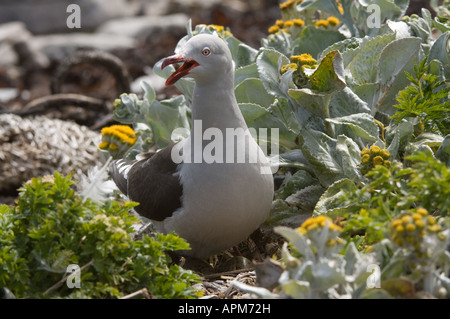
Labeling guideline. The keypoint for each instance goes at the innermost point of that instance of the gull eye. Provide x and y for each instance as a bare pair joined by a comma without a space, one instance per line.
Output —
206,51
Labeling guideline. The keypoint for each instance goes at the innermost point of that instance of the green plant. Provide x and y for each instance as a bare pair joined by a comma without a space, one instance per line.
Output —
425,99
52,226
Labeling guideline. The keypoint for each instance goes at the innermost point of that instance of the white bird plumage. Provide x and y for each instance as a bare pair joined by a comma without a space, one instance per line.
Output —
221,204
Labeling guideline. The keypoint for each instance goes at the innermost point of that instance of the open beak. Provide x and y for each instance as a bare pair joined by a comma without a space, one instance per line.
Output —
183,70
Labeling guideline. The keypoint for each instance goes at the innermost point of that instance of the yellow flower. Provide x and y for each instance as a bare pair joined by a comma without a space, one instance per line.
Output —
400,229
274,29
219,28
279,23
288,24
378,160
387,164
385,154
333,21
113,147
365,159
321,23
287,4
303,59
298,22
422,211
331,242
375,150
103,145
365,151
406,219
288,67
123,132
410,228
419,223
434,228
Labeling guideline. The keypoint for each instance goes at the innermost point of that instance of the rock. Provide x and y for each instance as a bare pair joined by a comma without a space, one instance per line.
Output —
58,46
47,16
31,147
142,27
10,34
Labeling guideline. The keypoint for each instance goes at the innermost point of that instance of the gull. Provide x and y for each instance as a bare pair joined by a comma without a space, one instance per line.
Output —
212,192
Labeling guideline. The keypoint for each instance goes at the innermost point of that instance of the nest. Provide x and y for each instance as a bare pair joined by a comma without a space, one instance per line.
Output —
38,146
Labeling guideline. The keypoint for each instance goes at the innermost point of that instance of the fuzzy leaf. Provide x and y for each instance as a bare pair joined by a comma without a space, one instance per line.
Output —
269,63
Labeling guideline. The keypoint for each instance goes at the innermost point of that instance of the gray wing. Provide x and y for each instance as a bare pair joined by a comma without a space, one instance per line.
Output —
153,183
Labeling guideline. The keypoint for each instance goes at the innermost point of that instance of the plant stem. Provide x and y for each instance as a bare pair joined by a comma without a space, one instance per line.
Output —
329,127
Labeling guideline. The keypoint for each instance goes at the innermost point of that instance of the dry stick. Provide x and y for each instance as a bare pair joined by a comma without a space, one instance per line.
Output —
110,62
231,272
61,282
142,291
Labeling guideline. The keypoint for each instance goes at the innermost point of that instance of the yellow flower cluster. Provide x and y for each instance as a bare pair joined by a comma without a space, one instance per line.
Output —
112,135
283,25
287,67
331,21
408,229
303,60
289,4
316,223
221,29
373,157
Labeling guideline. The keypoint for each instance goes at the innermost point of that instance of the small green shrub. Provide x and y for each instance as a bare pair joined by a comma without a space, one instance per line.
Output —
52,226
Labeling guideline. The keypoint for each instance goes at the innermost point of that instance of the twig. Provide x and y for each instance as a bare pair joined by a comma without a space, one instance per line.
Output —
110,62
225,273
61,282
143,292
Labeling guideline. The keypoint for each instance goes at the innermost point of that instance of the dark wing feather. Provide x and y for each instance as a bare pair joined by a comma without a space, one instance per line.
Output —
154,184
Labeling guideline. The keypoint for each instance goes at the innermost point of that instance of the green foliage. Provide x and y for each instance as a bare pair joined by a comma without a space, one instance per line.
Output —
425,99
52,227
366,209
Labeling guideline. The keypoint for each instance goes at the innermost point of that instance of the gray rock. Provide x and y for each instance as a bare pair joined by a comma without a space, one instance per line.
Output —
141,27
47,16
58,46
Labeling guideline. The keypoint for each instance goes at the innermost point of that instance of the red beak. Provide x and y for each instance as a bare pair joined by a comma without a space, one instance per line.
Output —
183,70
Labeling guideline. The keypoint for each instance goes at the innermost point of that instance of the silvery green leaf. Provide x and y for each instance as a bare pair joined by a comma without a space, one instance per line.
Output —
351,157
149,92
252,90
323,275
258,291
245,72
269,63
128,111
165,116
296,288
398,136
346,102
362,125
441,51
397,57
329,75
362,62
260,118
443,152
299,241
245,55
314,102
294,183
331,202
320,150
313,40
400,28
